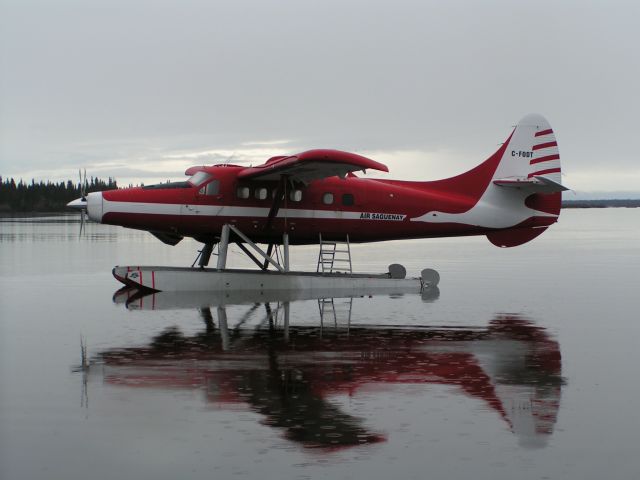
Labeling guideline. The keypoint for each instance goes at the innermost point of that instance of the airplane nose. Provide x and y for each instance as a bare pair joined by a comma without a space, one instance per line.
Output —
94,206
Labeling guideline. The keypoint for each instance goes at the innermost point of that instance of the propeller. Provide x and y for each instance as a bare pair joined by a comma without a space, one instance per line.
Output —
83,184
83,197
81,203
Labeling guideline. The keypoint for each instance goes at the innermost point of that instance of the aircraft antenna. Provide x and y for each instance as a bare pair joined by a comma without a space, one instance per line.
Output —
226,162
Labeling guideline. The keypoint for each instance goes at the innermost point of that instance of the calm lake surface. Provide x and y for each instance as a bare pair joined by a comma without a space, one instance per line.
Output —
523,364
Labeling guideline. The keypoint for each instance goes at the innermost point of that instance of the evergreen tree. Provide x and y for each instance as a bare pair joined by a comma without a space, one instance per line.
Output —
45,197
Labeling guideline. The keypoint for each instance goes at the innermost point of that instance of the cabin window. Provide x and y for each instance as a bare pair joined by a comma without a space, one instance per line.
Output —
243,192
347,199
295,195
199,178
211,188
260,193
327,198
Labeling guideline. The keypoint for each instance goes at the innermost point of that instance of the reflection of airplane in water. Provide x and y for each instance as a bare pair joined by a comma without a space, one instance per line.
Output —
289,373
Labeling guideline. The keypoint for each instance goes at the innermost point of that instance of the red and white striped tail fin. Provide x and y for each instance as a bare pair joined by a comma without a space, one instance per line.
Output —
531,166
545,162
531,157
518,188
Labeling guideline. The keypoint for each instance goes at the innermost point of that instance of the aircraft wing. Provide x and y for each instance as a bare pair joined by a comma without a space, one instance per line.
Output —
310,165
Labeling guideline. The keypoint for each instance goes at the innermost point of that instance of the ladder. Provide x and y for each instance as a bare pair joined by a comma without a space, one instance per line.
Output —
334,256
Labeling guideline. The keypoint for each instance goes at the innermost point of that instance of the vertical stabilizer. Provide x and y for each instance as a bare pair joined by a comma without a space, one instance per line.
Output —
530,174
520,187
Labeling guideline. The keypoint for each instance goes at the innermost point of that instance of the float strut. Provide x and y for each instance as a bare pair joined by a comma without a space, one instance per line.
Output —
250,243
252,256
285,247
205,255
223,247
265,265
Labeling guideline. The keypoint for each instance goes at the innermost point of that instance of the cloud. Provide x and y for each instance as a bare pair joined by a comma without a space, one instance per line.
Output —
599,179
431,87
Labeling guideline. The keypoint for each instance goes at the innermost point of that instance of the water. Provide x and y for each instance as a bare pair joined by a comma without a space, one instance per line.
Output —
522,365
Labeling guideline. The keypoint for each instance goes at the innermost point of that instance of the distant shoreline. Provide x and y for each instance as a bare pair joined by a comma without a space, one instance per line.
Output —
48,213
613,203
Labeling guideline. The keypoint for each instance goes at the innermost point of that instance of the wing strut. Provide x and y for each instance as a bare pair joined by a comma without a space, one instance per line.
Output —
277,201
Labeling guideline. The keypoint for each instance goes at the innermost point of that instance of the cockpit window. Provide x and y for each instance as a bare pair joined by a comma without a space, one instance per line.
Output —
211,188
199,178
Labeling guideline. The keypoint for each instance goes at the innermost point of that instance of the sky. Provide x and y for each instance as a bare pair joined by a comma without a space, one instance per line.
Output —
140,90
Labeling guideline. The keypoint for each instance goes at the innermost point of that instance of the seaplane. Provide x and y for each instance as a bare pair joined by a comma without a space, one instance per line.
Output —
316,197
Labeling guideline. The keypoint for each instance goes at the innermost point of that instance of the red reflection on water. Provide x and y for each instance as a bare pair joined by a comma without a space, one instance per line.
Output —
512,365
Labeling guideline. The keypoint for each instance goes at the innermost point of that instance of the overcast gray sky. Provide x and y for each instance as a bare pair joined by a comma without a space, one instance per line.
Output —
141,89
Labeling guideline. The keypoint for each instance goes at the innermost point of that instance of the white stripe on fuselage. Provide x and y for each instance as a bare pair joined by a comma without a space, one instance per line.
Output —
498,208
235,211
502,217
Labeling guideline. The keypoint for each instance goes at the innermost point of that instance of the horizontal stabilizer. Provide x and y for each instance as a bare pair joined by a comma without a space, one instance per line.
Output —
535,184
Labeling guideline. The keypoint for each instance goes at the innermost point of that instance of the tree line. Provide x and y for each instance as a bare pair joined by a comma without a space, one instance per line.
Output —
46,197
606,203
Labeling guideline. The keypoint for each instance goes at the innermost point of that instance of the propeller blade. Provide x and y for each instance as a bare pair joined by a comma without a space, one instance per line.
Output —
83,183
81,221
81,203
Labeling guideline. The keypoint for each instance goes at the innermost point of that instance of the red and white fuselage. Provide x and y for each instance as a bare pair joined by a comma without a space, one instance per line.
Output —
511,197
